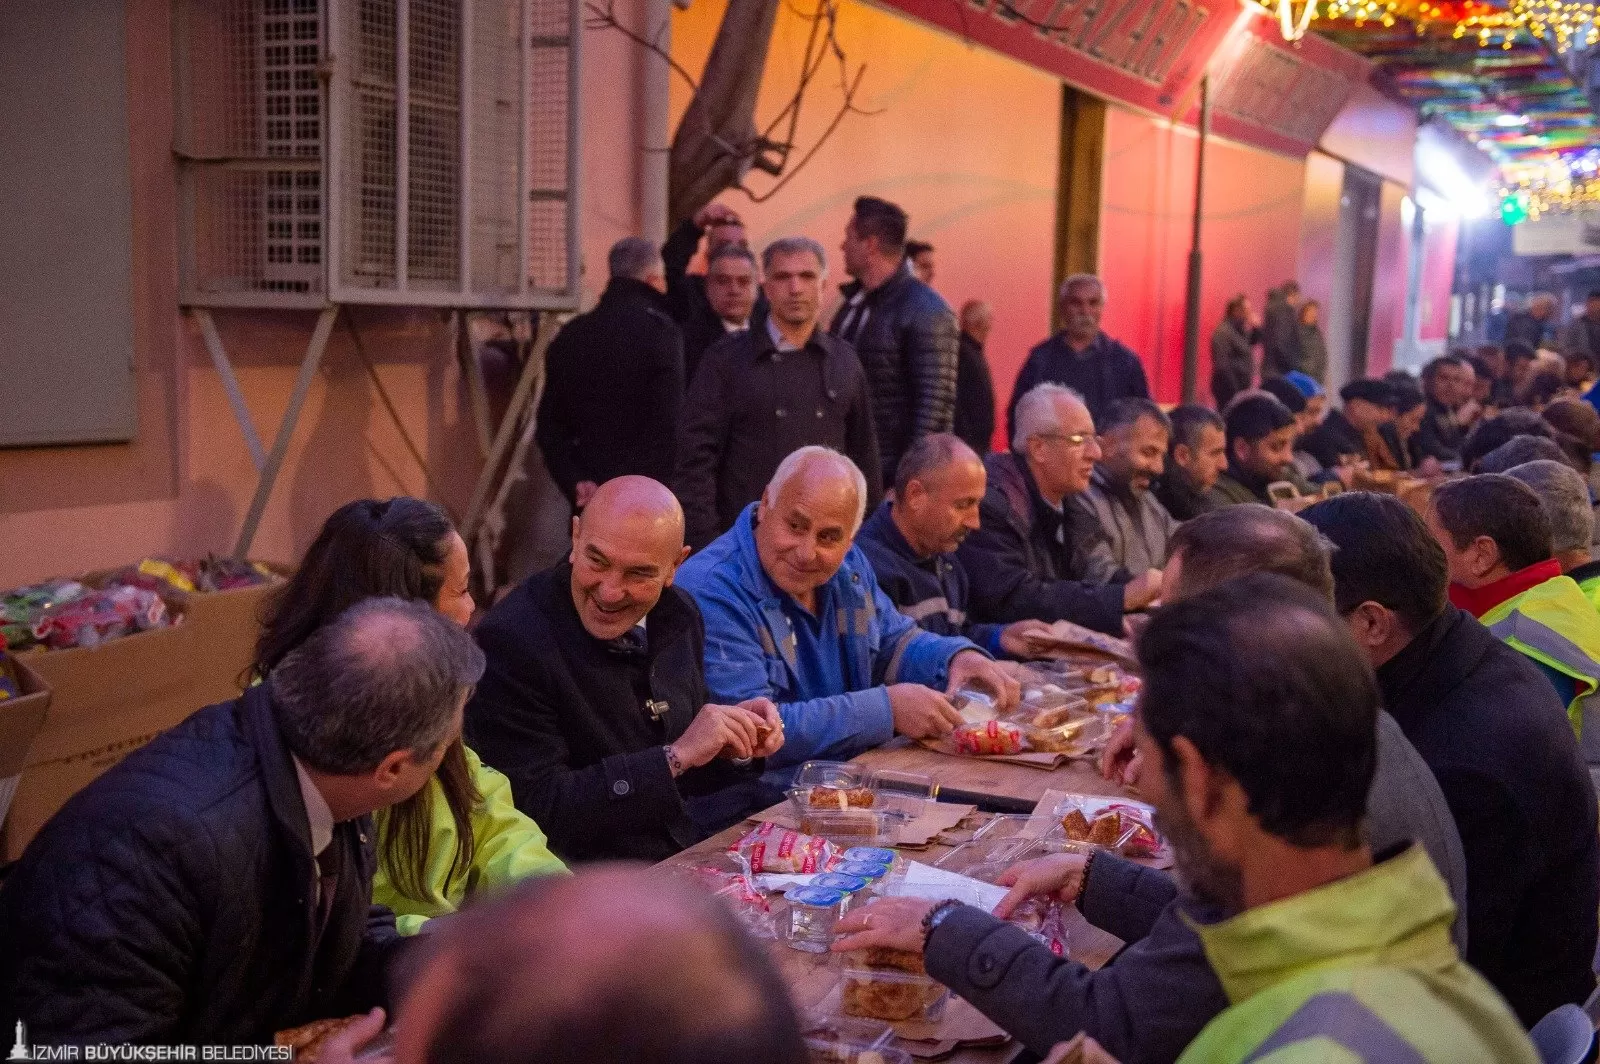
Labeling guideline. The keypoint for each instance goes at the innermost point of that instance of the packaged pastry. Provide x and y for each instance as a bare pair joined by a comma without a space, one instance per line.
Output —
1123,827
994,737
1053,716
824,797
770,848
900,960
846,827
890,994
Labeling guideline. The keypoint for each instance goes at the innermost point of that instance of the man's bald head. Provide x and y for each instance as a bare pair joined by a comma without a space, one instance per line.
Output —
626,547
384,676
807,519
977,318
652,971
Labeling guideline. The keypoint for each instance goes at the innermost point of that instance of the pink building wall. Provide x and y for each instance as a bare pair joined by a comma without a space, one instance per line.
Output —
183,486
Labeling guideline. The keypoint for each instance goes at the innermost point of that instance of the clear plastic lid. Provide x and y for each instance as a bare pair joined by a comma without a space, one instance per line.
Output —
867,870
829,774
840,881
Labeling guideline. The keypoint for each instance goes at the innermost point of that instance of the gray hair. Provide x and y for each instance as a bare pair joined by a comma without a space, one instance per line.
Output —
1520,450
384,675
1036,412
794,245
1564,495
799,460
1077,279
635,258
731,250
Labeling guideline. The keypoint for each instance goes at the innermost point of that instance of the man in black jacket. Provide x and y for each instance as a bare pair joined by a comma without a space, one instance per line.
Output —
1081,356
911,541
692,298
594,701
1496,736
732,281
765,393
614,382
1280,332
216,886
1447,382
974,384
1034,558
904,334
1348,432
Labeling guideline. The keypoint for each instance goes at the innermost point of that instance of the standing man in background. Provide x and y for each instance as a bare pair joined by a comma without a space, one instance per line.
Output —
732,284
919,253
614,381
903,332
1081,356
766,393
1233,360
1280,332
690,296
974,385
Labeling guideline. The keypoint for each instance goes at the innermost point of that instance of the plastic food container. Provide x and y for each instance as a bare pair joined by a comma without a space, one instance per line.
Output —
995,737
892,995
1119,825
813,911
902,795
975,706
851,1040
849,827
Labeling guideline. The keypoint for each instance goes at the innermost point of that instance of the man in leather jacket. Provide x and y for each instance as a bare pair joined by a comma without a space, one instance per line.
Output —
903,332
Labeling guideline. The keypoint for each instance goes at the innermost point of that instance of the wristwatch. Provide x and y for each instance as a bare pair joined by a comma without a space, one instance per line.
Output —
936,916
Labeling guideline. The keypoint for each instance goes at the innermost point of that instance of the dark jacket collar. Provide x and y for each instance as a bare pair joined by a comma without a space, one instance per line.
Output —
895,283
621,290
668,621
1257,486
278,776
886,531
1428,668
1585,571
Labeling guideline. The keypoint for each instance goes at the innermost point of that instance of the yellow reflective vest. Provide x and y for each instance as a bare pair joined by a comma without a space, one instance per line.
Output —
1557,626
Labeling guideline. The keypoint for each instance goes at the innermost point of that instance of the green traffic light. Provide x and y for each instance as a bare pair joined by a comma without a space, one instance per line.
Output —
1514,208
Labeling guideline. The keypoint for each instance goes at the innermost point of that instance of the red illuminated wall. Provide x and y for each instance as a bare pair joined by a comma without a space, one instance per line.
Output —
1250,237
1438,276
1389,286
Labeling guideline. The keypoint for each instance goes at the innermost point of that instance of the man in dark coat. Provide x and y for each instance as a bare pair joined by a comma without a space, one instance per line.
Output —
216,886
1196,457
767,392
692,297
1034,558
1081,356
1233,360
1280,331
732,281
911,541
1532,325
1447,382
904,334
1514,781
594,701
974,383
614,382
1350,432
1260,441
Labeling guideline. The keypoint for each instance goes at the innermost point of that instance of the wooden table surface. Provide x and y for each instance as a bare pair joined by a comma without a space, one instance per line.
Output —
809,975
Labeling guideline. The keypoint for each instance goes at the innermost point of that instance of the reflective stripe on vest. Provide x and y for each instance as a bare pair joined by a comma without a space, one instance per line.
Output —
1544,644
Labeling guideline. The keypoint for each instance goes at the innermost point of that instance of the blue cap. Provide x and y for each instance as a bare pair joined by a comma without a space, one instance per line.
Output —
869,853
1304,382
867,870
814,896
840,881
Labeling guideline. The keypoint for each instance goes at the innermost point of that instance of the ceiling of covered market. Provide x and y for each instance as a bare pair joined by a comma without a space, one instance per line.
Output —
1506,77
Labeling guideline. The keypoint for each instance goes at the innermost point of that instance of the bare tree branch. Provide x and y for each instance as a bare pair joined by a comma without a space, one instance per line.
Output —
717,143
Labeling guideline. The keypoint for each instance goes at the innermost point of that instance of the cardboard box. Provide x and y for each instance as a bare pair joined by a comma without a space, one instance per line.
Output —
21,718
108,700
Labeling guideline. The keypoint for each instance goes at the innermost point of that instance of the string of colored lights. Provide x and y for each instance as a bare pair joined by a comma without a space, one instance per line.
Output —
1563,24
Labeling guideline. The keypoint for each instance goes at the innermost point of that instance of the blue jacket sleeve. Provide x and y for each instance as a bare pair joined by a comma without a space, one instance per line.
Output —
737,667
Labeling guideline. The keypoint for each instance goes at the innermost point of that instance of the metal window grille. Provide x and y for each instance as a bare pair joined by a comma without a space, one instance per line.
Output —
416,152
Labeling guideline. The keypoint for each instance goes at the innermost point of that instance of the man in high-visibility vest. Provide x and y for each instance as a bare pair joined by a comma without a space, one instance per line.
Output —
1565,495
1503,570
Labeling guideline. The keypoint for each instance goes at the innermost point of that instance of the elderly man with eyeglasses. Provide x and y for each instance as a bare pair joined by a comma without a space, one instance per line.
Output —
1034,556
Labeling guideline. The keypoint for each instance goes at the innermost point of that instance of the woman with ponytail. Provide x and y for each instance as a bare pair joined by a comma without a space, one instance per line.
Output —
461,833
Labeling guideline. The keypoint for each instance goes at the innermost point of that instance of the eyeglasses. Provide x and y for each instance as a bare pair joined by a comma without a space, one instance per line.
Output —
1076,439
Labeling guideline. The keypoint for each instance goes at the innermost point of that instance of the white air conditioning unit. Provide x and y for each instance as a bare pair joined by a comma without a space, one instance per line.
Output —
411,152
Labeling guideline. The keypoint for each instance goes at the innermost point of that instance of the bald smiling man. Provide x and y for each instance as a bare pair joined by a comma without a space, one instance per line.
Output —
594,702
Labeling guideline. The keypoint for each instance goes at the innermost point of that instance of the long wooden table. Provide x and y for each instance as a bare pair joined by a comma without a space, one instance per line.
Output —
804,972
